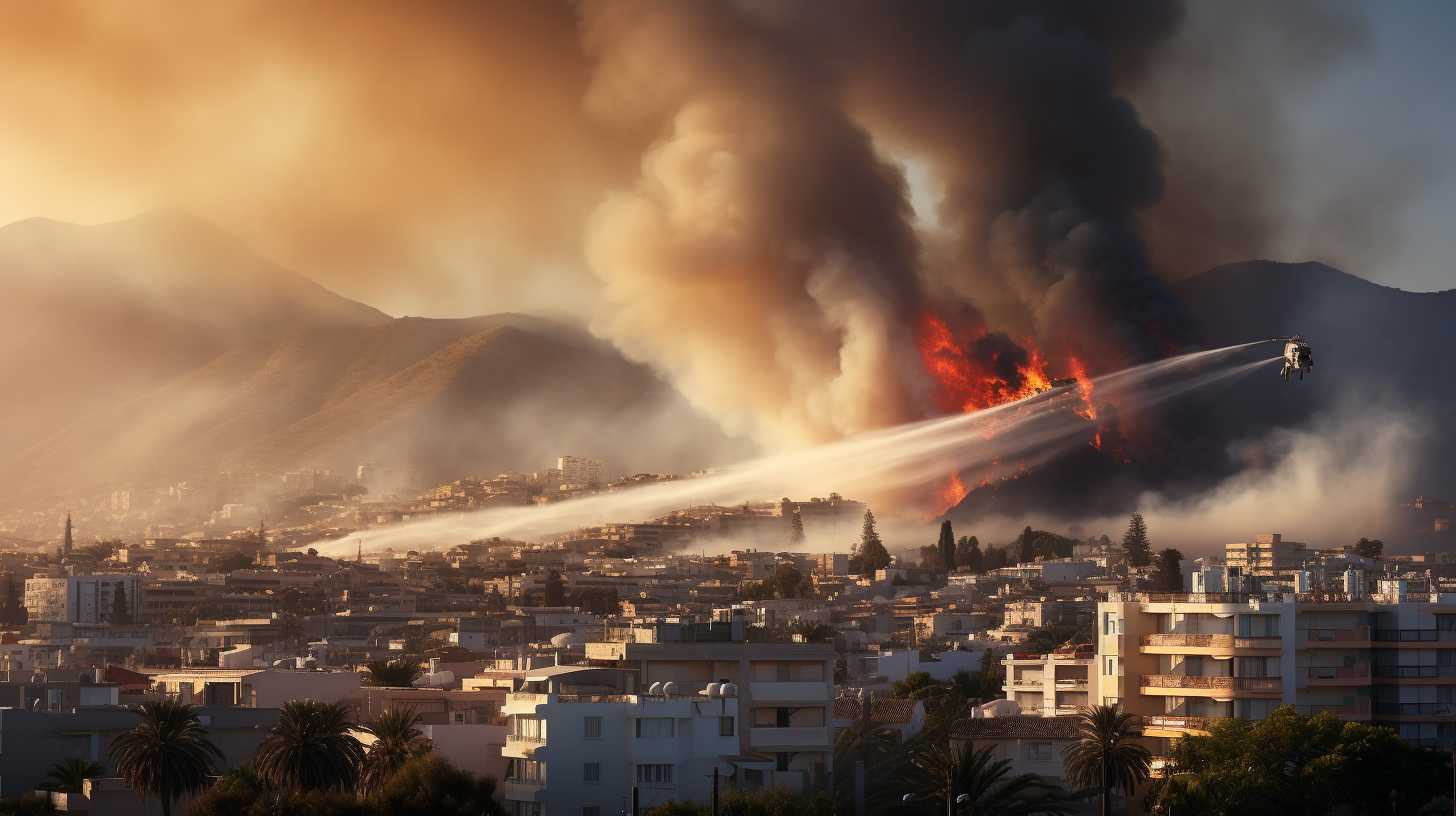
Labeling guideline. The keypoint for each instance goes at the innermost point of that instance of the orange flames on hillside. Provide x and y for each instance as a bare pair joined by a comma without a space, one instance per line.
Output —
971,374
1088,410
968,384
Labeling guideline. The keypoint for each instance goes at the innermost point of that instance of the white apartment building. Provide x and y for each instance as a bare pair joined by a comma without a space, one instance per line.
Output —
1182,660
579,738
83,598
579,471
1058,683
785,692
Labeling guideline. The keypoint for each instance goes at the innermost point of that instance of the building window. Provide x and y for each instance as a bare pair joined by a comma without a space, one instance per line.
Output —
654,774
725,726
1038,751
654,727
591,772
592,727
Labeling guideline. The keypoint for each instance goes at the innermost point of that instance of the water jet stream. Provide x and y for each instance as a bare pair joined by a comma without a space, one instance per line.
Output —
1032,429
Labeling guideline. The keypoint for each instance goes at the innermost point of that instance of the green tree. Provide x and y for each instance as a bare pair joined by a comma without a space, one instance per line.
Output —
872,553
1290,764
397,740
879,749
240,792
1105,757
968,554
1135,541
917,686
947,546
167,754
391,673
1169,575
1370,547
310,749
979,783
789,582
427,785
69,775
554,593
1027,544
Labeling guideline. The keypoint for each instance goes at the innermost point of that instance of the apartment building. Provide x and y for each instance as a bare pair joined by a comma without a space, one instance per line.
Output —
1267,554
785,692
1182,660
1054,684
580,738
84,599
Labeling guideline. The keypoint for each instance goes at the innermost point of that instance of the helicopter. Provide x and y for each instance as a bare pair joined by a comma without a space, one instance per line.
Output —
1298,357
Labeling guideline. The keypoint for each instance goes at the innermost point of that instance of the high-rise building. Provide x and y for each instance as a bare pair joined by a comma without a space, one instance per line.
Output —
579,471
1181,661
1267,554
85,599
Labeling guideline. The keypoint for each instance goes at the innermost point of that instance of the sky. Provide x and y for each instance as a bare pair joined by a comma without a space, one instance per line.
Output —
449,167
1392,110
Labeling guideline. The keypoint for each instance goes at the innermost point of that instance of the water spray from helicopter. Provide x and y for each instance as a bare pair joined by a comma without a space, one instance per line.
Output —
1029,430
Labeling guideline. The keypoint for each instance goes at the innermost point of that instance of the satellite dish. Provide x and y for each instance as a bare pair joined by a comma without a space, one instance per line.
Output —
669,689
655,689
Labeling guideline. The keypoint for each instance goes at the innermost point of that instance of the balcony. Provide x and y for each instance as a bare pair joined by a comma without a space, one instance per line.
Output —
1416,711
791,692
1360,712
1398,673
522,747
521,791
1415,635
1198,643
1178,725
1071,682
1356,675
1216,686
769,739
1334,638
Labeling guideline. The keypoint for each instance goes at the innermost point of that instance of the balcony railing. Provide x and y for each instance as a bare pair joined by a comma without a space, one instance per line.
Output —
1071,682
1415,635
1199,682
1172,721
1358,672
1415,709
1344,712
1357,634
1211,641
1414,672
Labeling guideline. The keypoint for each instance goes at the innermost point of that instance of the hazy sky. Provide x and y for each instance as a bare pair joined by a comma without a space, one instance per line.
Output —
1392,112
448,165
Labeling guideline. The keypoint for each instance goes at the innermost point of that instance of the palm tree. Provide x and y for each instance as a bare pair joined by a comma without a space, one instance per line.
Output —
1104,756
311,748
978,783
397,740
878,748
395,673
167,754
68,776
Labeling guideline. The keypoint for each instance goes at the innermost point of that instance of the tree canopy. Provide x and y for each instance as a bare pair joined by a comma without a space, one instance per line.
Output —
1291,764
1135,541
871,552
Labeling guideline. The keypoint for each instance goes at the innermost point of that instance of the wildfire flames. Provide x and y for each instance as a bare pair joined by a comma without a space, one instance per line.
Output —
967,383
1084,392
975,370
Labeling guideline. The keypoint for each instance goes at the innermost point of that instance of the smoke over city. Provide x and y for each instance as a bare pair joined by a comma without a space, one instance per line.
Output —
811,225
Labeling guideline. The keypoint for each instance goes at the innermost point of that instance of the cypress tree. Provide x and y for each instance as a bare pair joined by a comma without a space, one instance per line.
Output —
947,546
1135,542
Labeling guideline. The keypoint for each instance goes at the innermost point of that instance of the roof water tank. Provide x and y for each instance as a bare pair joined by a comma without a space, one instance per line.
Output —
714,690
729,690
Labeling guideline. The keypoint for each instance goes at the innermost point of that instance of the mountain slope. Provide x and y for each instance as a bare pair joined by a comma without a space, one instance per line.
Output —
160,349
1375,348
